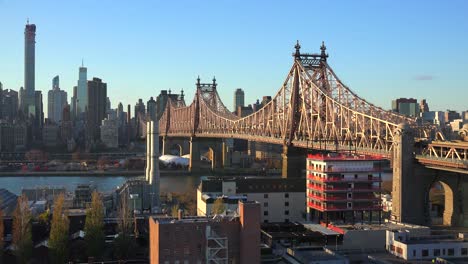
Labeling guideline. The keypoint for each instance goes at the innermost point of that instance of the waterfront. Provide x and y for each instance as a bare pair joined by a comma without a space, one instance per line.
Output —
169,183
103,183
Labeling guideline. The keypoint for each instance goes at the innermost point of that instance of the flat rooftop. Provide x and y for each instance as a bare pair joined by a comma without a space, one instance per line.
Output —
321,229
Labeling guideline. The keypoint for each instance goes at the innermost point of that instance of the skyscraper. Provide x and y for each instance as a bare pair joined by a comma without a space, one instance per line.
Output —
29,69
73,104
97,99
56,101
151,108
82,92
238,98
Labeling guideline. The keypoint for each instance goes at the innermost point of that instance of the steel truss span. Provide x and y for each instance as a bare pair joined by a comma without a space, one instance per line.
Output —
312,106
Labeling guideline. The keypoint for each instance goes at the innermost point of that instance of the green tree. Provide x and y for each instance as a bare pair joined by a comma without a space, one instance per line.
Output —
58,239
2,230
94,234
175,210
218,206
124,243
22,236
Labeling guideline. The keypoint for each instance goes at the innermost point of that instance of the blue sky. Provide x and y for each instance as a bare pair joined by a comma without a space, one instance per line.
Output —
381,49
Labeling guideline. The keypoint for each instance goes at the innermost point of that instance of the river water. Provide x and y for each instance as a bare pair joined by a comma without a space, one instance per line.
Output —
168,183
102,183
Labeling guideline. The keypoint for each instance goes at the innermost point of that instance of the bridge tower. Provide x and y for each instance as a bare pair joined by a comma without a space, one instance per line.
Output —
412,182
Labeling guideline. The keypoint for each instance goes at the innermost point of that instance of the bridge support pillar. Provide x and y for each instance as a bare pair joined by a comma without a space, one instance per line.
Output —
226,155
165,146
406,208
252,150
294,162
194,162
218,154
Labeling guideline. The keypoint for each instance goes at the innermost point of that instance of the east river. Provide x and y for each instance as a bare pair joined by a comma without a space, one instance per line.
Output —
102,183
169,183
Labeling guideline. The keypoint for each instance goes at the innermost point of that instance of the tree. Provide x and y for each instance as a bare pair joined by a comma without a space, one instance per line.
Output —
124,243
218,206
175,210
2,228
94,224
58,239
22,236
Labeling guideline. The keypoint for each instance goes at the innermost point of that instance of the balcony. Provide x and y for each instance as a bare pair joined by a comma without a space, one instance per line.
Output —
343,189
331,208
340,179
344,170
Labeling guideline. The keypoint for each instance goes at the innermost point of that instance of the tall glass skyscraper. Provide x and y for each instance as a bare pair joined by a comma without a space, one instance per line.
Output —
238,98
82,91
28,101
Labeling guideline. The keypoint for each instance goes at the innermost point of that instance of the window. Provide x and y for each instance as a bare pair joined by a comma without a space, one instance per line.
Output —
464,251
399,250
265,221
265,212
369,177
286,203
450,251
350,195
286,212
425,252
355,176
286,195
286,220
265,195
350,205
443,251
414,253
350,185
436,252
265,204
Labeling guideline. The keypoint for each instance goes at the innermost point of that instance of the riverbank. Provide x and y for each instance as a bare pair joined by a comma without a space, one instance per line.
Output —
131,173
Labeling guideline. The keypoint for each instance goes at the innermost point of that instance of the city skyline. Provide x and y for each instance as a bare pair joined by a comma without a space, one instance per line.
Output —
403,67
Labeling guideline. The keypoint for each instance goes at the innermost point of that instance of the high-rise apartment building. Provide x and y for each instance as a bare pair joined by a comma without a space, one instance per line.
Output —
56,101
139,108
343,188
406,106
423,106
82,92
151,108
73,103
9,104
97,99
29,70
162,98
238,99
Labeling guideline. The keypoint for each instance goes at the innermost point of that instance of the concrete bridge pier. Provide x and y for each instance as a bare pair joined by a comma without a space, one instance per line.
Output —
294,162
219,152
180,144
412,184
194,161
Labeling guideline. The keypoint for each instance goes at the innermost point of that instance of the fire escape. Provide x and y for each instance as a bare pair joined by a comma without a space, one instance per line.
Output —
216,247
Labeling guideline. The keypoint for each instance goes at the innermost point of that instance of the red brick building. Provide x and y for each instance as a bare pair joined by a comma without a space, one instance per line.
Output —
199,239
343,188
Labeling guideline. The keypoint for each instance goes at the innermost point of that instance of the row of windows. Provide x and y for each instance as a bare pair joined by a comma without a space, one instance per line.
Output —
265,204
285,212
437,252
286,195
286,220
